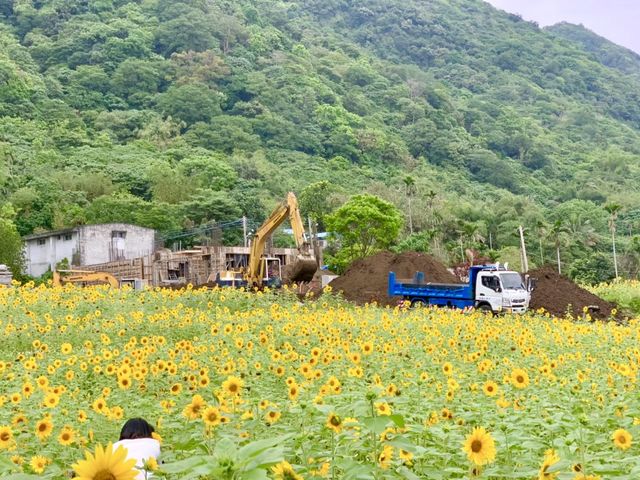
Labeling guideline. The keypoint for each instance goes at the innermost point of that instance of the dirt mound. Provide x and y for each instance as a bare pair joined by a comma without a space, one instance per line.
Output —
557,295
367,278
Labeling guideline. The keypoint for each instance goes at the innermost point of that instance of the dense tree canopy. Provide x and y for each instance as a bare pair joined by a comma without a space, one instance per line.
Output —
173,114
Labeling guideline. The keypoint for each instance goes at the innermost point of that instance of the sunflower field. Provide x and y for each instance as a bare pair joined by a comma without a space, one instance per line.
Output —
263,386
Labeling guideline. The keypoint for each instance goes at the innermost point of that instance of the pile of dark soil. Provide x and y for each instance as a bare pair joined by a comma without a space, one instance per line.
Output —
366,279
558,295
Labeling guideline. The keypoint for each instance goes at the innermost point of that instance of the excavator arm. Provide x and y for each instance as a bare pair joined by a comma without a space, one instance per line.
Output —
82,276
254,269
304,266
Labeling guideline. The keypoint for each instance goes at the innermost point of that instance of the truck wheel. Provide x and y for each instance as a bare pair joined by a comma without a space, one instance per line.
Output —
485,308
418,302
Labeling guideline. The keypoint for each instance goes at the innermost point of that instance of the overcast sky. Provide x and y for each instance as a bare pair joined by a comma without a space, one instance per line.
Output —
617,20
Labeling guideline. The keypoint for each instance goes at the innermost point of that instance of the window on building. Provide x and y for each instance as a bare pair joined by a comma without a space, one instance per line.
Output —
42,241
118,234
67,237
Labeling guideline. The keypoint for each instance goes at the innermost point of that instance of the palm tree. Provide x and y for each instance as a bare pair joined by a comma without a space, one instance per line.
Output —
410,190
542,228
558,232
613,209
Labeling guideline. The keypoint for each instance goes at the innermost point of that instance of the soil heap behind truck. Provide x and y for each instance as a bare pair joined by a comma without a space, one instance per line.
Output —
490,288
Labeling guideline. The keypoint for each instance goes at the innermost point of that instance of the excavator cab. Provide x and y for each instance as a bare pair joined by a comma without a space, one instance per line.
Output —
303,267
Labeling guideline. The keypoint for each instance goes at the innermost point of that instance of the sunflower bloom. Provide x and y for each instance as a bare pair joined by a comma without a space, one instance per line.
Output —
385,457
520,378
233,385
44,428
211,416
490,388
38,463
334,422
550,459
6,437
106,464
284,471
480,447
622,439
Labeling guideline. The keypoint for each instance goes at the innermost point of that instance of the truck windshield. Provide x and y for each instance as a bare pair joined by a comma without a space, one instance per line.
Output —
511,281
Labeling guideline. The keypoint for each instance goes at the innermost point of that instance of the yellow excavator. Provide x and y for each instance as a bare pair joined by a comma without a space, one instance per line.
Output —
84,277
258,273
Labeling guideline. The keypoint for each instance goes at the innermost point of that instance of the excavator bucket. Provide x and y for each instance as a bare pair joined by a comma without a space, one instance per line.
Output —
302,269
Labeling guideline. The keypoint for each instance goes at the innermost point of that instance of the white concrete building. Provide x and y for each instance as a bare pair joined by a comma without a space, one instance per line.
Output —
87,245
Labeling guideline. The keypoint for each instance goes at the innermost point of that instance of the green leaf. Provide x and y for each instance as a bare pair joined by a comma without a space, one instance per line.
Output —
182,466
377,424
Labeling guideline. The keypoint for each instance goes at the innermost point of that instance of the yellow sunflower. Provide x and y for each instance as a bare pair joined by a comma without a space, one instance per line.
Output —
622,439
51,400
385,457
44,428
233,385
38,463
284,471
490,388
334,422
519,378
106,464
211,416
383,408
67,436
550,459
194,409
272,416
480,447
6,437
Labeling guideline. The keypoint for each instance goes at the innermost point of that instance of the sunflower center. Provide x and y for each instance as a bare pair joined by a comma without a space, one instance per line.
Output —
4,436
622,439
490,388
335,421
520,379
476,446
104,475
233,388
42,427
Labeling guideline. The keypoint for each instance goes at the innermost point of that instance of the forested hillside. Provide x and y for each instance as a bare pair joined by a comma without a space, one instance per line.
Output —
172,114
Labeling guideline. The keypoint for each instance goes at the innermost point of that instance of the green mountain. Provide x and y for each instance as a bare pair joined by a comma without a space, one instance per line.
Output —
172,114
603,50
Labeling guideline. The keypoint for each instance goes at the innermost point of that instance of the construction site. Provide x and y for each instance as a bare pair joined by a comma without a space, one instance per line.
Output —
372,279
256,265
365,281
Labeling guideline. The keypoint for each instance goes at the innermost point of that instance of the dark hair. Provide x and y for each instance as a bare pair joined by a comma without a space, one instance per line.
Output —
136,428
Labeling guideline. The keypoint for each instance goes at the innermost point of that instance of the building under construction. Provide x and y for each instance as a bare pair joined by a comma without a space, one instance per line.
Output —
197,266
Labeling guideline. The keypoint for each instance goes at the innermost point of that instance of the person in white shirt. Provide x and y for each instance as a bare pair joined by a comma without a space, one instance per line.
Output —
137,437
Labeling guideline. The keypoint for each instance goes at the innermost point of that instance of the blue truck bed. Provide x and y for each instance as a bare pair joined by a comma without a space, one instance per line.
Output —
442,294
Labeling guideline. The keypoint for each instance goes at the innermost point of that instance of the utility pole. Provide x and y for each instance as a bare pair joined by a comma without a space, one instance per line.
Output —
523,251
244,229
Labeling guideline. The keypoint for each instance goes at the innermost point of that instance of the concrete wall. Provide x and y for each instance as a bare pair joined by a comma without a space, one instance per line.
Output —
44,253
113,242
87,245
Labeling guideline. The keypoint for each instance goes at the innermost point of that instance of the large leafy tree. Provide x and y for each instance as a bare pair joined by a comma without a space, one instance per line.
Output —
11,253
363,225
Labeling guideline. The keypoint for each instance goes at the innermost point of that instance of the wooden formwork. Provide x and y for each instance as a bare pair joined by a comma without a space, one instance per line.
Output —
196,266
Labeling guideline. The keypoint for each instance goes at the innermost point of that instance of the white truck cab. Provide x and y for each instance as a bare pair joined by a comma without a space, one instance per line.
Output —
502,290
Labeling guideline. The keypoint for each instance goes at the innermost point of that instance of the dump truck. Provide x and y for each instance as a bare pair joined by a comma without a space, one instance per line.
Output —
490,288
266,271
